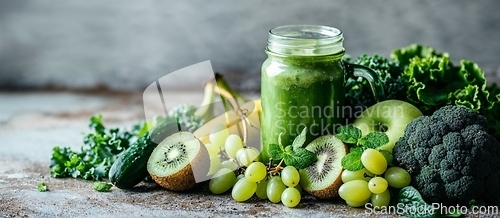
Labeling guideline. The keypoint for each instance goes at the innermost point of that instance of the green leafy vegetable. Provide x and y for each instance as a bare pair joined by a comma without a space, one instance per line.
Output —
293,155
411,198
374,140
390,74
434,81
299,141
414,205
349,134
352,136
428,79
102,186
276,151
42,187
352,161
101,148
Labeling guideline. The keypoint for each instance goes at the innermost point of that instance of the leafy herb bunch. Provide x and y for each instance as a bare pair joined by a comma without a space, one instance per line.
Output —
101,148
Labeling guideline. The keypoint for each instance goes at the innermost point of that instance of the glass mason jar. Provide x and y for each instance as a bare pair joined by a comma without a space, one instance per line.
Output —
303,84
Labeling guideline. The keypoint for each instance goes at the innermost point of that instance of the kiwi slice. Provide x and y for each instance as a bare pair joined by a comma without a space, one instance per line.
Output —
323,178
177,160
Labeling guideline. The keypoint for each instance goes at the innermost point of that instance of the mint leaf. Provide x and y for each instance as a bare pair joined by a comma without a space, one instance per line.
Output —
299,158
42,187
352,161
275,152
299,141
349,134
374,140
102,186
279,141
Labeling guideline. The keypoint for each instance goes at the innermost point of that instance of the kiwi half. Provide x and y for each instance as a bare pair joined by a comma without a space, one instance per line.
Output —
176,161
323,178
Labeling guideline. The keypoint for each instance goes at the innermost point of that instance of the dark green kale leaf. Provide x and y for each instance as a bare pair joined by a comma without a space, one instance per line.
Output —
358,90
100,149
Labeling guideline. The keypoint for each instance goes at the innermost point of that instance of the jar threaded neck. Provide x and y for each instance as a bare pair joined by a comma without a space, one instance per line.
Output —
305,40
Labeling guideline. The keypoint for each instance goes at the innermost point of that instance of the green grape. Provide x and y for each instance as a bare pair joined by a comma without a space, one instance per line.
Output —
388,156
374,161
290,176
222,181
213,150
299,187
230,164
357,203
243,190
355,175
377,185
397,177
290,197
218,135
275,188
255,172
246,156
232,145
355,191
262,189
215,164
381,200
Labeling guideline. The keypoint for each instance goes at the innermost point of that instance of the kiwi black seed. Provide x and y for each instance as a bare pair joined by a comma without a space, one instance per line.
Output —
176,161
323,178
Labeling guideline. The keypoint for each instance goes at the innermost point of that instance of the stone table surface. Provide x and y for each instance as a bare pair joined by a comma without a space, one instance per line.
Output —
32,123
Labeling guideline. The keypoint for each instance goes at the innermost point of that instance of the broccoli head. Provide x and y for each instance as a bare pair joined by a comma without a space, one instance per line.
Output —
451,156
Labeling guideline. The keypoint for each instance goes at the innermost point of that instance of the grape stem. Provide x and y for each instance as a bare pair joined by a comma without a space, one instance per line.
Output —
276,169
367,176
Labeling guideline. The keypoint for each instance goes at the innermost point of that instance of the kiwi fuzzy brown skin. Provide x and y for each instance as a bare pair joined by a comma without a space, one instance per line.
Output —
184,179
330,191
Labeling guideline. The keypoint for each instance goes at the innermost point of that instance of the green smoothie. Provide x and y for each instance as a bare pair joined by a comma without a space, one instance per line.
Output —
298,92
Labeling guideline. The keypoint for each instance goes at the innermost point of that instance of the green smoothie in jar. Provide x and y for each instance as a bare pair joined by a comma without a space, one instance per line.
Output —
302,84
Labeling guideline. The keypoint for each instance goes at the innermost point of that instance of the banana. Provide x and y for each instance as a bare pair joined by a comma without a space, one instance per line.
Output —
233,121
235,125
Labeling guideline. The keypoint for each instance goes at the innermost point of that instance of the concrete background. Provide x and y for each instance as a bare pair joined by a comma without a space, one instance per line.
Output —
127,45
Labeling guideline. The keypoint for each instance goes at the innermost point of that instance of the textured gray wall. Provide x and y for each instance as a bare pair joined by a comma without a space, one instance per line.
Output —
129,44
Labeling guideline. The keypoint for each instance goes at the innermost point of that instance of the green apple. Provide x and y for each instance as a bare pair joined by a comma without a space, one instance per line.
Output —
390,116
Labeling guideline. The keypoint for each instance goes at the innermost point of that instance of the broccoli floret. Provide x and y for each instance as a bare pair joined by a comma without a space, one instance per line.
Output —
451,156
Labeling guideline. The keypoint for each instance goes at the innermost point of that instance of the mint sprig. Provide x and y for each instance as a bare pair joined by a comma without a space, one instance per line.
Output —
349,134
373,140
293,155
352,136
352,161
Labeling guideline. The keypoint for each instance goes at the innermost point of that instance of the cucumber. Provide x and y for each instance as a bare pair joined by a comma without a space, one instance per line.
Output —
131,167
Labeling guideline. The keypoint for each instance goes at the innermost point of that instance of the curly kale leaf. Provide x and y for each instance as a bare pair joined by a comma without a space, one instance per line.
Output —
100,149
433,82
358,91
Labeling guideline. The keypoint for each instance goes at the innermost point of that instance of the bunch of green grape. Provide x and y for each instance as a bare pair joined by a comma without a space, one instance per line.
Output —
372,183
257,180
228,150
254,178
